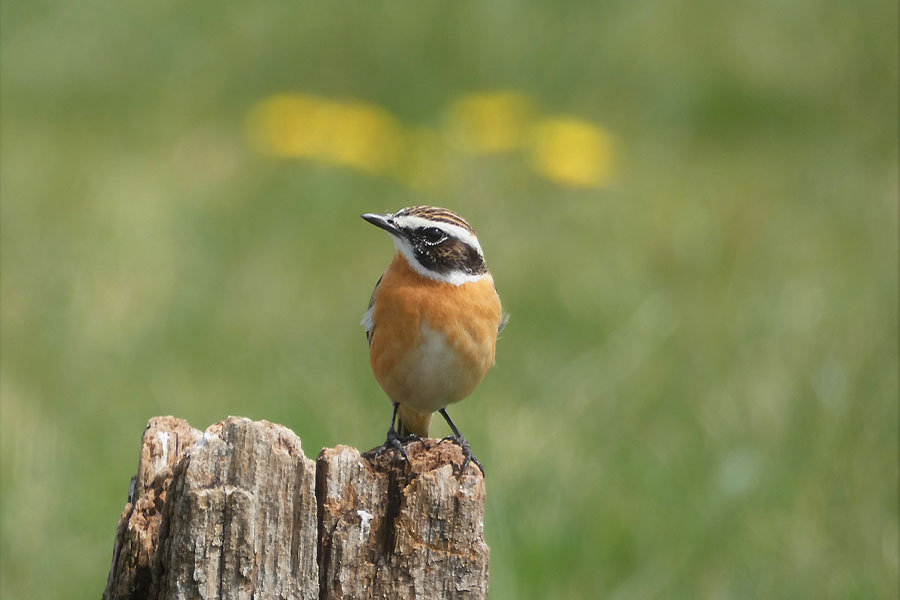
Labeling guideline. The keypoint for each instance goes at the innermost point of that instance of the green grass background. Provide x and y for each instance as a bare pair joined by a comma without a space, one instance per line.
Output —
696,396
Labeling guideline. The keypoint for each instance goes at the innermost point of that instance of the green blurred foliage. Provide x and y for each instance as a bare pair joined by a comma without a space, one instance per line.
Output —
697,393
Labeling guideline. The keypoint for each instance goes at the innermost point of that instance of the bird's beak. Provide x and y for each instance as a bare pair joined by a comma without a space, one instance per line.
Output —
385,222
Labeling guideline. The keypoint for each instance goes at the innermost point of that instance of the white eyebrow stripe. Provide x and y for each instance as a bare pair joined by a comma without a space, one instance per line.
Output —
413,222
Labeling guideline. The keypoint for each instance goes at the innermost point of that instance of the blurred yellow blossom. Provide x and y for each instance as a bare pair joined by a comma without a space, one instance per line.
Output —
425,165
283,125
366,137
349,133
490,122
572,152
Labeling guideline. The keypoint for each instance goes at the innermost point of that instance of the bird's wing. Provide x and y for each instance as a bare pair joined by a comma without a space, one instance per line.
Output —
504,318
503,321
368,320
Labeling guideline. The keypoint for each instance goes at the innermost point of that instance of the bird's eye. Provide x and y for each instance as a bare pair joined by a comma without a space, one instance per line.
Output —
433,235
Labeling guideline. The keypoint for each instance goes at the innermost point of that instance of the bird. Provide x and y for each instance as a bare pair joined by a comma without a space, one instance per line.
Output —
432,321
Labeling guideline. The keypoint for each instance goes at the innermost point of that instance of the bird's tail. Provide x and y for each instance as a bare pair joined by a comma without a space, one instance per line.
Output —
409,421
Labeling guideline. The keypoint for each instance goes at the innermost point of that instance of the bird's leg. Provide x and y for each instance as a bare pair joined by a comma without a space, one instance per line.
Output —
405,435
393,438
460,441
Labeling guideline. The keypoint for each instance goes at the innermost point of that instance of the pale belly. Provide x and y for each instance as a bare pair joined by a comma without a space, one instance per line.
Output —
434,374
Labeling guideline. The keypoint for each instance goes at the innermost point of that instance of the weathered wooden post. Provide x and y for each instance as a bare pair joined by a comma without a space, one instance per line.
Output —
240,512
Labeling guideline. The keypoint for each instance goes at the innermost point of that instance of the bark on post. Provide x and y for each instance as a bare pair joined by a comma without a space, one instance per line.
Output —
399,530
164,443
240,512
240,519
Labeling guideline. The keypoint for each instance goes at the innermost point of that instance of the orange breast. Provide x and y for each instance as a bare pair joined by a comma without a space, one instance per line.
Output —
433,341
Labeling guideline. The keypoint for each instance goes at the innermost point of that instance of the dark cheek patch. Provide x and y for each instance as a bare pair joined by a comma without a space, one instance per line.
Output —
452,255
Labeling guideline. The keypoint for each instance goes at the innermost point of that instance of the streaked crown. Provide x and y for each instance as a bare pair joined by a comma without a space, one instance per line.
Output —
435,214
437,242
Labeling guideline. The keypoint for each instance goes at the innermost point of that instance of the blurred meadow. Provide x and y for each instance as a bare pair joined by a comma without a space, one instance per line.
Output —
690,211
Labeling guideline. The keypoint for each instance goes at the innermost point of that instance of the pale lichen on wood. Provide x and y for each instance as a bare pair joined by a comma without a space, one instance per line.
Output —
240,512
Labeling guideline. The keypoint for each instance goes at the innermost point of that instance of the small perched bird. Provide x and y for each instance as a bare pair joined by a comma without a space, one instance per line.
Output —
432,321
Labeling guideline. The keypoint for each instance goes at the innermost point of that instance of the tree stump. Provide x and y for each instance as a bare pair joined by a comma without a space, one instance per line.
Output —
164,443
240,512
399,530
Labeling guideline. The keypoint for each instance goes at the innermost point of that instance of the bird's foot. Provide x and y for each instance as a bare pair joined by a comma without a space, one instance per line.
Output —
397,442
463,444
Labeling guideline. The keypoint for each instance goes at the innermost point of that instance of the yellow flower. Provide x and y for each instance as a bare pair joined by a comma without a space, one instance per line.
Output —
366,137
572,152
490,122
425,165
353,134
287,125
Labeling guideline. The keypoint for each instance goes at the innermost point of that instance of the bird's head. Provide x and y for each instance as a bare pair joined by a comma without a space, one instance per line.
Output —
438,243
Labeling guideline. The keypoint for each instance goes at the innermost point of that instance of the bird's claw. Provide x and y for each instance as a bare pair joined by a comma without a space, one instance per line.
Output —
397,442
463,444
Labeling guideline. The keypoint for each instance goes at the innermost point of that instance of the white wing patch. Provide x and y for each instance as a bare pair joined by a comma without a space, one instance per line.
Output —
368,320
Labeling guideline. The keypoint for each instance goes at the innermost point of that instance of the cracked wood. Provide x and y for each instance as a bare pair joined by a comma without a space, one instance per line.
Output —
240,512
